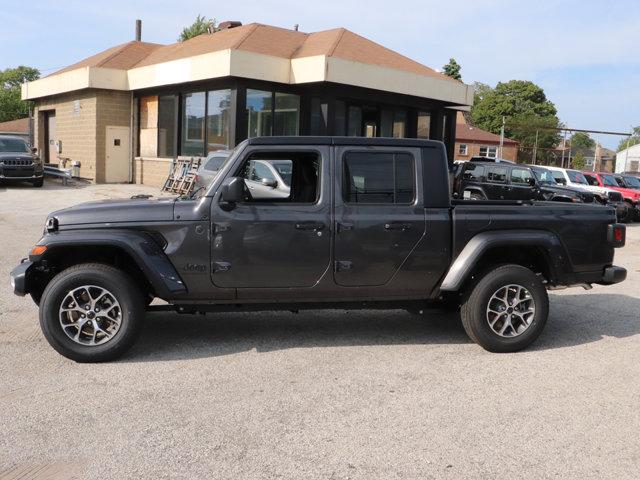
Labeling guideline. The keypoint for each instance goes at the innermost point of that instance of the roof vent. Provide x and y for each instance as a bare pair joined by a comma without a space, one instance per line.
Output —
229,24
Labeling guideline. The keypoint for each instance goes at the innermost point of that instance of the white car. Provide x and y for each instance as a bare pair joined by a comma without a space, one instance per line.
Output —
575,179
269,179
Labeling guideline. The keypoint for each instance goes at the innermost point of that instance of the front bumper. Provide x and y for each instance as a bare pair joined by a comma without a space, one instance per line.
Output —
22,172
20,277
613,275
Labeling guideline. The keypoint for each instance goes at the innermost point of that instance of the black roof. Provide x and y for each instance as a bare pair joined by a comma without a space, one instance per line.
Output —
363,141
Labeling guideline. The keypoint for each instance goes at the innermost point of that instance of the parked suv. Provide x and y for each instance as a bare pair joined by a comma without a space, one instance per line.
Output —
495,181
608,180
19,162
553,191
509,181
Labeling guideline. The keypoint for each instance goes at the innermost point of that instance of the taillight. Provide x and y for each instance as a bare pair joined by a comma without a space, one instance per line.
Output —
616,234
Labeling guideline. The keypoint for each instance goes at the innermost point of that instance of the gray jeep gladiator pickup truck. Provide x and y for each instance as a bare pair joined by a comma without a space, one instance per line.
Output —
365,223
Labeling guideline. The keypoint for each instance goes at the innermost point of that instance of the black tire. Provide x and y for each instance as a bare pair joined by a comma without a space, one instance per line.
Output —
119,284
475,317
476,196
38,182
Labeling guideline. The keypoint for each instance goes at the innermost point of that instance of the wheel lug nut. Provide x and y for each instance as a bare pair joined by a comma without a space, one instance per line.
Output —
86,307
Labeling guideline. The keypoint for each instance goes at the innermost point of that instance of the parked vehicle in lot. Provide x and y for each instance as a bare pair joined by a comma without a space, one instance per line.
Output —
495,181
368,223
509,181
553,191
627,181
490,160
629,195
19,162
210,167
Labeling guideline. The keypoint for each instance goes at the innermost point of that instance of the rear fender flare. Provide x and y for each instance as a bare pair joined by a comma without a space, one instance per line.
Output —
465,263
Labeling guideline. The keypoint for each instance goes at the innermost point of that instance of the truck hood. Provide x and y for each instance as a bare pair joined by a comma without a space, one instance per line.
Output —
135,210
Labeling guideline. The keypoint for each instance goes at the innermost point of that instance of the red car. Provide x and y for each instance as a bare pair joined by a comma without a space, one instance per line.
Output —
608,180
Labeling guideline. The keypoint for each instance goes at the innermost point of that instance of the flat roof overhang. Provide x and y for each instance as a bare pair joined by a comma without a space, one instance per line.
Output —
245,64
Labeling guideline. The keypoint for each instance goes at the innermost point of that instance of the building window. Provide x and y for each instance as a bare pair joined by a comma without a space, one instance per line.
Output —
462,149
378,178
259,111
193,115
286,114
424,125
218,119
489,152
386,123
340,118
272,113
399,124
167,120
354,124
319,116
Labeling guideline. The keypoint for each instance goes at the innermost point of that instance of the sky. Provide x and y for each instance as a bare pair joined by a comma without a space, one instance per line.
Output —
585,54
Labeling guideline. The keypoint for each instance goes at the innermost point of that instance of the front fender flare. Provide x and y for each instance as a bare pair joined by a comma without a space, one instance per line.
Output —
145,251
472,253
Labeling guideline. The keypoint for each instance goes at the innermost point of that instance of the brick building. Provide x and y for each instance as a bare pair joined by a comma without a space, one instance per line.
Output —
126,113
475,142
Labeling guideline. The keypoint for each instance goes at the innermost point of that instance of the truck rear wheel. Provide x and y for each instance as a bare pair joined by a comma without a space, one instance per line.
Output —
507,310
91,312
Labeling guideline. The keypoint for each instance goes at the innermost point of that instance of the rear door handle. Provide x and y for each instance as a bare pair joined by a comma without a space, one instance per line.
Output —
309,226
397,226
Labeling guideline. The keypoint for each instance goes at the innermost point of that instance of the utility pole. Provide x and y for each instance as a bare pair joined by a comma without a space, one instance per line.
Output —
626,152
564,146
595,157
502,136
535,149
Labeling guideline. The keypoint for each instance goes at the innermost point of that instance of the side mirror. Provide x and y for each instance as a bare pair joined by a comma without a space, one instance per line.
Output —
269,183
232,193
34,150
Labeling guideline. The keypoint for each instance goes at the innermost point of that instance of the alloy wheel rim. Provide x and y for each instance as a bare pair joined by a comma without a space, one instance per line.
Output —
510,311
90,315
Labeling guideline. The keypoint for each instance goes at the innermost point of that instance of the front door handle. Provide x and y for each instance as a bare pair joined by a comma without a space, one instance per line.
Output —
397,226
309,226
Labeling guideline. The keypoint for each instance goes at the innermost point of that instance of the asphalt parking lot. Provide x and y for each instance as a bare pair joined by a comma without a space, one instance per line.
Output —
326,395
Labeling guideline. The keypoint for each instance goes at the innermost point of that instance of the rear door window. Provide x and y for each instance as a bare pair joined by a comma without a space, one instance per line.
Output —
497,174
521,176
378,178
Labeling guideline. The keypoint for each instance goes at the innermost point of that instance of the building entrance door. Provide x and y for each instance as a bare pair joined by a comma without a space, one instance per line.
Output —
117,153
50,152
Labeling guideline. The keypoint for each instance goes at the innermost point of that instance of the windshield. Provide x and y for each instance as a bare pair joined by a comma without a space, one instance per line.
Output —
284,169
609,181
577,177
633,182
13,145
544,176
215,163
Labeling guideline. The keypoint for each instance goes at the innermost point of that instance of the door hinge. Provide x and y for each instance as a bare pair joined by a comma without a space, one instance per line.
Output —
343,265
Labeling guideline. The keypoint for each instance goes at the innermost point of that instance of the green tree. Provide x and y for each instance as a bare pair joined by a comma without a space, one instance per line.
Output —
198,27
634,140
11,104
526,110
581,141
452,69
578,161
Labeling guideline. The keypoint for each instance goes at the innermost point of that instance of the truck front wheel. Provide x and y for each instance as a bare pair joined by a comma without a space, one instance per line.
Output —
507,309
91,312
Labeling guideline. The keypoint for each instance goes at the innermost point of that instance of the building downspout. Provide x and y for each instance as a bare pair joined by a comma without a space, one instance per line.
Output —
132,140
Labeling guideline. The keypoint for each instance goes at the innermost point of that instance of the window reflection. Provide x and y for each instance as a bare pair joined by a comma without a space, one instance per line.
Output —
218,120
193,124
